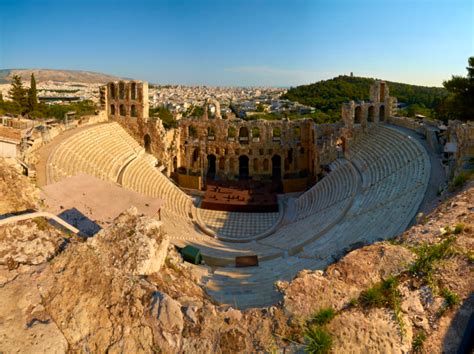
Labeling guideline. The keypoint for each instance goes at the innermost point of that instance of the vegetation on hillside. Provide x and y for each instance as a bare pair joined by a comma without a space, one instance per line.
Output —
460,102
24,101
327,96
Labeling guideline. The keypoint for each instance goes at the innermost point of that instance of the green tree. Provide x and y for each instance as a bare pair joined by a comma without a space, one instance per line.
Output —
17,92
460,102
1,97
32,94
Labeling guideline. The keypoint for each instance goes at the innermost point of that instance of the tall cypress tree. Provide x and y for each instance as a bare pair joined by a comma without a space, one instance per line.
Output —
32,94
17,92
1,97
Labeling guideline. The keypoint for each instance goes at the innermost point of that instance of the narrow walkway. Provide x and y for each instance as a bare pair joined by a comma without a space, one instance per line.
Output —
39,214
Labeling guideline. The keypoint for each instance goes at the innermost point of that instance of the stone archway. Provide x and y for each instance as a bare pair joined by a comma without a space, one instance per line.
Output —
211,166
147,143
276,167
175,164
244,135
243,167
358,115
382,113
371,115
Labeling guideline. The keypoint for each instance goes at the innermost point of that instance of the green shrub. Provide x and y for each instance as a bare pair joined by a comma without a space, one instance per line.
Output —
428,254
450,298
318,340
418,342
458,229
323,316
459,180
384,294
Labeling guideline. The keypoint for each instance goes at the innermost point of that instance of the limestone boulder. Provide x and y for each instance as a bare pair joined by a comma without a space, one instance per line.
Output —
344,280
134,244
25,324
29,242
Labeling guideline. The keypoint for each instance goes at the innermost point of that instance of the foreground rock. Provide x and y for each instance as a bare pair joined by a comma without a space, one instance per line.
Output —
16,191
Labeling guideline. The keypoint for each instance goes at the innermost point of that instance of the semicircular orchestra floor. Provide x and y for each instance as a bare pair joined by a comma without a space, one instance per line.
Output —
237,226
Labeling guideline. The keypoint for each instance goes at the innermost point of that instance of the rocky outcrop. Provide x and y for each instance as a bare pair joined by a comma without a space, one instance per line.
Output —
311,291
29,242
16,191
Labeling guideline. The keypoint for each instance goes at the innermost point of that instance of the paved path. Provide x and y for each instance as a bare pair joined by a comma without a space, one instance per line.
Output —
39,214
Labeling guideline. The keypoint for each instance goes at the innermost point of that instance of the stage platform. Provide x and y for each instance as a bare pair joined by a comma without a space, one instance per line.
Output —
241,196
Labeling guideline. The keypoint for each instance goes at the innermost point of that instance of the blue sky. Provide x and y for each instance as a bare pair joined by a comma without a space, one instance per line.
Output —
242,42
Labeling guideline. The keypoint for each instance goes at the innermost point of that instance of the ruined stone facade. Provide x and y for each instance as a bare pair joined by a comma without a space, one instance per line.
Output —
229,149
380,107
237,149
126,102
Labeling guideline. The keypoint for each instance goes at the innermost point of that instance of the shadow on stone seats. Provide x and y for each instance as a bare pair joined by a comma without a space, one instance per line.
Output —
86,226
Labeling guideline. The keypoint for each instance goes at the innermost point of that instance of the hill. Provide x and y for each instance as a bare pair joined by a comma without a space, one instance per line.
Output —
327,96
56,75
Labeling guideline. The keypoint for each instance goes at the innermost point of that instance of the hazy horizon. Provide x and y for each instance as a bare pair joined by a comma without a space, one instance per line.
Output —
242,43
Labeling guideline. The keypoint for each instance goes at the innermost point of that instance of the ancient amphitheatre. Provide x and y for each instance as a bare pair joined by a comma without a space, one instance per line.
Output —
291,218
375,180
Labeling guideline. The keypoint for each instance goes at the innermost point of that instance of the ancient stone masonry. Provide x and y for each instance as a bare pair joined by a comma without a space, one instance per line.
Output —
229,149
126,102
380,107
238,149
460,145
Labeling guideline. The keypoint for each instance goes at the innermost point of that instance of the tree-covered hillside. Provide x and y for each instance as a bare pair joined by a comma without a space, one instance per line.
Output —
327,96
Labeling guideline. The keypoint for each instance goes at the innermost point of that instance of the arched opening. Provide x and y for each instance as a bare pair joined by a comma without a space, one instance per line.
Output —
255,165
231,133
358,115
112,90
222,163
175,164
371,116
211,133
276,133
133,110
266,165
147,143
133,91
112,109
192,131
276,167
297,133
382,113
243,167
195,155
121,90
244,135
256,134
382,91
211,166
122,110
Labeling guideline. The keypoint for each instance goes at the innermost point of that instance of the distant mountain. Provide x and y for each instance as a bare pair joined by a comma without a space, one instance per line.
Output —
328,95
56,75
